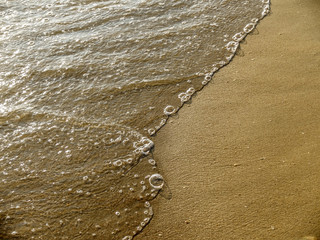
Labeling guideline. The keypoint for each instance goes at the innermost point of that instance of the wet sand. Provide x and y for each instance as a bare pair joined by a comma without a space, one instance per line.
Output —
242,160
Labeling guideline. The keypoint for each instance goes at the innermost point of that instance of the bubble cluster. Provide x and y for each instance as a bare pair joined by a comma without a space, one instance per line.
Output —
266,9
185,96
81,192
143,146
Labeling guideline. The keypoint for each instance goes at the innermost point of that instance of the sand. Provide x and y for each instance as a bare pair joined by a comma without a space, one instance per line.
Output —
242,161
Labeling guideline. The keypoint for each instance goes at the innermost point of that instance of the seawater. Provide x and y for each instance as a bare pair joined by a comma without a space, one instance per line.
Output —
84,86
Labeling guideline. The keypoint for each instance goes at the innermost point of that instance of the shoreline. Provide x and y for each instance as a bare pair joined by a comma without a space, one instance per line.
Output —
242,160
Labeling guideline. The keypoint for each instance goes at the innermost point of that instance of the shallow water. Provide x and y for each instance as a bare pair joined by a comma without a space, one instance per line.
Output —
83,88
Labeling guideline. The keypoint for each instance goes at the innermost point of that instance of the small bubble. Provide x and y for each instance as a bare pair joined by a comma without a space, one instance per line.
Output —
142,224
117,163
163,122
190,91
207,77
85,178
129,160
147,204
169,110
152,162
117,213
151,131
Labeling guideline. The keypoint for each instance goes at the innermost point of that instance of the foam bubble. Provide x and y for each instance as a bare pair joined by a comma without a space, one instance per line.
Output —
129,160
266,10
143,146
249,27
214,69
156,181
232,46
184,97
238,37
151,131
117,163
168,110
162,122
190,91
204,82
85,178
147,204
152,162
207,77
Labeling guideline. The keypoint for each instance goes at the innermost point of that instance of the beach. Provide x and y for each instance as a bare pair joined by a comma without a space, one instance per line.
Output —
241,160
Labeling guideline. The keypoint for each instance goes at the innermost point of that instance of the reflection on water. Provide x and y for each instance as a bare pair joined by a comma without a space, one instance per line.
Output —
82,85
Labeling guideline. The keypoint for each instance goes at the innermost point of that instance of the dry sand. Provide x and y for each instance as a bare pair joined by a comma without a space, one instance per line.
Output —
243,160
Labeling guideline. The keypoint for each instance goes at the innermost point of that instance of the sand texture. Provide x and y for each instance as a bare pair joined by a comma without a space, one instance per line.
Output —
242,161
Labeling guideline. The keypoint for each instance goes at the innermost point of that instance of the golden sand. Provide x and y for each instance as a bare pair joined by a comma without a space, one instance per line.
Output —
243,160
